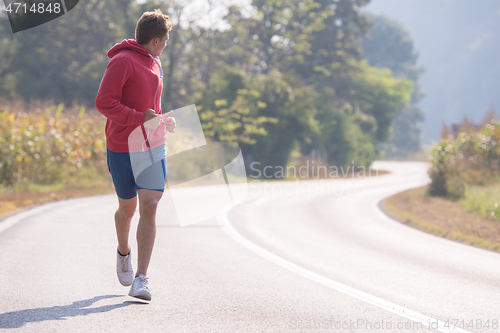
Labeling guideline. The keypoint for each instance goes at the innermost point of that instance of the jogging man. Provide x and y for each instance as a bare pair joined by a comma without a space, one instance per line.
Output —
130,98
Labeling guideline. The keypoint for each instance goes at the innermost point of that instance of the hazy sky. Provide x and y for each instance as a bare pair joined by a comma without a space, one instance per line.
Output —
458,42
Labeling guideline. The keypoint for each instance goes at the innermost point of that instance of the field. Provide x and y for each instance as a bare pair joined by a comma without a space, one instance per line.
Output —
49,152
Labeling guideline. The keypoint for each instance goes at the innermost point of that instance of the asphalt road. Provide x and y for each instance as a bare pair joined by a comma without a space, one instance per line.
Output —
312,256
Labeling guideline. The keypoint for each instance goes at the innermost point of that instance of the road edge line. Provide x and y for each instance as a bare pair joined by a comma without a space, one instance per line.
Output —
223,220
36,209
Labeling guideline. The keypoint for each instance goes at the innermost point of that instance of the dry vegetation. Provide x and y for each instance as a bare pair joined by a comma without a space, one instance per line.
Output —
463,200
48,153
444,218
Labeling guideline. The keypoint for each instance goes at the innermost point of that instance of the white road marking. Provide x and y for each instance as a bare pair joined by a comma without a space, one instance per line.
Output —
229,229
363,296
14,219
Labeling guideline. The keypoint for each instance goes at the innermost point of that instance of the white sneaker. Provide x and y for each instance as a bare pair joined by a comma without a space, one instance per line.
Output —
124,268
140,288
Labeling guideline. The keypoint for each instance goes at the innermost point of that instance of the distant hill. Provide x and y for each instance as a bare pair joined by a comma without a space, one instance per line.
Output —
459,45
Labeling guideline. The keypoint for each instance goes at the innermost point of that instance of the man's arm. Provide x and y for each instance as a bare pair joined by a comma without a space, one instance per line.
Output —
110,93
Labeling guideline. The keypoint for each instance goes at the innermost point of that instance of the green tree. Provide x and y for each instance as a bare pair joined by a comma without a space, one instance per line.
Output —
288,75
291,103
8,50
350,128
341,137
309,44
389,45
379,95
318,41
64,59
230,110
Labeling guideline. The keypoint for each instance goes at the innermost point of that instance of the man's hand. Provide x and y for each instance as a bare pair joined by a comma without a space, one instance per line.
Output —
151,119
169,122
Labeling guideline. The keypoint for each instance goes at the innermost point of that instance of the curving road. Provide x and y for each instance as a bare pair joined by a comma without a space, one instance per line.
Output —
310,256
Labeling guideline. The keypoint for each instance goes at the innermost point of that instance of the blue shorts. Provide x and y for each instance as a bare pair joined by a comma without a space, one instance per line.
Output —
126,183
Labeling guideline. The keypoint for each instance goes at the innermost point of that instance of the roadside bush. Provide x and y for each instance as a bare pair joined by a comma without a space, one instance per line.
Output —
438,185
473,158
455,187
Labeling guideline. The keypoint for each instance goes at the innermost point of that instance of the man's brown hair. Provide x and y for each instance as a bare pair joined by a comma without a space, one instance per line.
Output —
152,25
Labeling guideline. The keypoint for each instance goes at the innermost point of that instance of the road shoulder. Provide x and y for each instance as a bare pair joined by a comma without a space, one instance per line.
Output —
442,218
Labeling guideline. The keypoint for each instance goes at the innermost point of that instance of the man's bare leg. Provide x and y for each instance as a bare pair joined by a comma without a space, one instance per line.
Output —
123,218
146,230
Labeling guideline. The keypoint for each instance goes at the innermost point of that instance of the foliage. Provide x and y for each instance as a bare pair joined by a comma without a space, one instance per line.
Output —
484,200
64,59
287,74
347,142
49,144
230,110
379,95
291,103
473,158
389,45
348,130
46,145
313,46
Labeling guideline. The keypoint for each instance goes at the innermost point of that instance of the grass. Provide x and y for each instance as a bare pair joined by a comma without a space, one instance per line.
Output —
444,218
484,200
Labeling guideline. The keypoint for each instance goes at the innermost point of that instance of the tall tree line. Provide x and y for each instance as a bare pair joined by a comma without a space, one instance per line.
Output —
288,76
389,45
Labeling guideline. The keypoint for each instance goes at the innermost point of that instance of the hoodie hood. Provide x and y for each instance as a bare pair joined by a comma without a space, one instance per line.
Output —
128,44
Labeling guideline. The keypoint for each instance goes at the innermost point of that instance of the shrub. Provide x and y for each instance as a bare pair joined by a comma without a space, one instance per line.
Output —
473,158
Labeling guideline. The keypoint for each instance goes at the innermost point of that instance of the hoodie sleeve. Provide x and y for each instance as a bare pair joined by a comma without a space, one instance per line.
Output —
108,100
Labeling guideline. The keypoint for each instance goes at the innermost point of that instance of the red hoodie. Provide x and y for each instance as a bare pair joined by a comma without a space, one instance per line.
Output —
131,84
